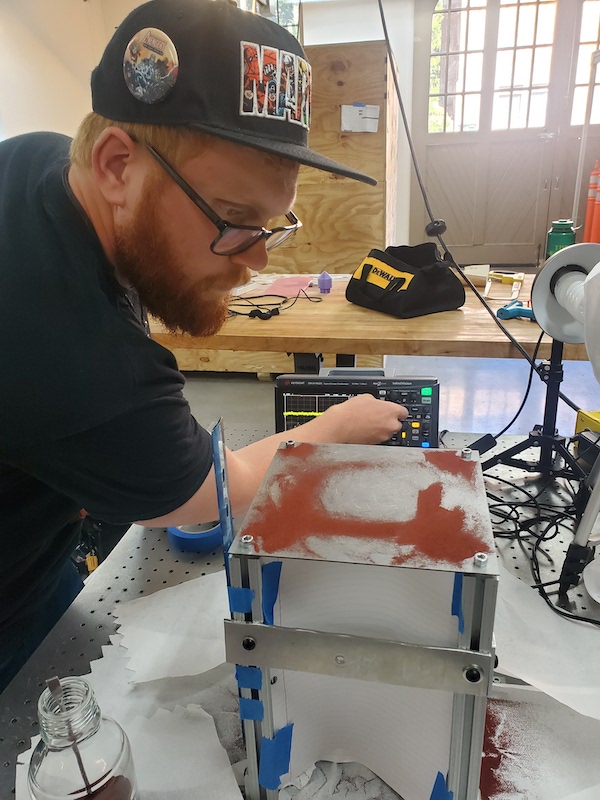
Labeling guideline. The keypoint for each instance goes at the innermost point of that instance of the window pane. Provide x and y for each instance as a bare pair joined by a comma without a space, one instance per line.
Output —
473,72
436,115
541,66
437,28
526,26
579,101
472,104
545,26
476,30
434,75
590,19
459,3
595,115
537,108
458,31
522,75
579,104
500,111
584,63
518,110
506,27
478,3
504,65
454,105
441,5
456,73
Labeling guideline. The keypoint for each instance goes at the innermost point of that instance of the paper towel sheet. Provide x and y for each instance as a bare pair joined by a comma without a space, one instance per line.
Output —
350,781
215,691
177,756
177,631
556,655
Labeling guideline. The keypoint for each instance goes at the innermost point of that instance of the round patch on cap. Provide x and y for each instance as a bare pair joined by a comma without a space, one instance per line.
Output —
150,65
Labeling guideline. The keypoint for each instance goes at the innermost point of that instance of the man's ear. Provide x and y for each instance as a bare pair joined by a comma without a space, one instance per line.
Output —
116,165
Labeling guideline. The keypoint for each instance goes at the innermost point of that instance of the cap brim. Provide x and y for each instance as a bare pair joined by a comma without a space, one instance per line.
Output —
295,152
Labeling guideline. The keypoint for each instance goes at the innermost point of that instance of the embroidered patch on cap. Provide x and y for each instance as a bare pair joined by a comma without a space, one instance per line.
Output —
275,83
150,65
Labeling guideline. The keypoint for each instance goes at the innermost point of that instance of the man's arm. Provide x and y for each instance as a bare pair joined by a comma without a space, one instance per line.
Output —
359,420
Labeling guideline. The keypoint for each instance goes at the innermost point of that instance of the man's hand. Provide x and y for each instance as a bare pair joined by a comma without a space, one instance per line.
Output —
364,420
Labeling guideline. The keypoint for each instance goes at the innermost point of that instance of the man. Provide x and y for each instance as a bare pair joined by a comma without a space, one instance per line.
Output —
175,187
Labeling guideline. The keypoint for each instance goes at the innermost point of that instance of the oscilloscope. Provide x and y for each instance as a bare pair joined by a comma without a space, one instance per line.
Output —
300,398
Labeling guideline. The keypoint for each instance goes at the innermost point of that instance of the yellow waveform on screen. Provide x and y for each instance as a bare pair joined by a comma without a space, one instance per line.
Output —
302,413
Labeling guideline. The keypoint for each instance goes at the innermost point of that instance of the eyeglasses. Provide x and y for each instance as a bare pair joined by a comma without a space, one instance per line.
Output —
231,239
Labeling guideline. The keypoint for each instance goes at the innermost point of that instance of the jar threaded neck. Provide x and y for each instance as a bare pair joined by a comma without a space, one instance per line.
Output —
71,719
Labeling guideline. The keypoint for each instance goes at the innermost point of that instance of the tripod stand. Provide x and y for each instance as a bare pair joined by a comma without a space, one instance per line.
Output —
553,449
555,461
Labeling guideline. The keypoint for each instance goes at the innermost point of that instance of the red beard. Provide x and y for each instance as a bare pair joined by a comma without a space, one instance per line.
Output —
144,258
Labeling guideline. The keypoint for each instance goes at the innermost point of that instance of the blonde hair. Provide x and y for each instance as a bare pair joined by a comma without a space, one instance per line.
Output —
176,143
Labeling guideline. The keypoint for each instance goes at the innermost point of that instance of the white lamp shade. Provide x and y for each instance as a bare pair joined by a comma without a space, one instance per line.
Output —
591,306
562,314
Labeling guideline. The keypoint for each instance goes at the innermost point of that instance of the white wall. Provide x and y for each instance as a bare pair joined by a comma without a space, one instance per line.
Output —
51,47
338,21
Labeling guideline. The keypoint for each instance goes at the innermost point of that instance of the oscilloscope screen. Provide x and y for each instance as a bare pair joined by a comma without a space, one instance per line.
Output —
300,408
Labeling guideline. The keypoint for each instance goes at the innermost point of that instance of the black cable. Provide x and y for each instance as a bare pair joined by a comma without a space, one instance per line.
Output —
434,222
524,534
526,395
281,303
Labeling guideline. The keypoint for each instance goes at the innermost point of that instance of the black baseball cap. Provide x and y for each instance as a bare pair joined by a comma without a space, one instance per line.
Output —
207,64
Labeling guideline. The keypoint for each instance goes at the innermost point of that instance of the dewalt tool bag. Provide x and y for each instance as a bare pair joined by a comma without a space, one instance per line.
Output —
406,282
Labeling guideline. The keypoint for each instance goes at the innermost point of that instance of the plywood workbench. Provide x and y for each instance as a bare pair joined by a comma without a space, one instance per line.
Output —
335,326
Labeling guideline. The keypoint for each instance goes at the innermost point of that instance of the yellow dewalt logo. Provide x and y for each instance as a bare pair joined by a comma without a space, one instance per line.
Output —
383,275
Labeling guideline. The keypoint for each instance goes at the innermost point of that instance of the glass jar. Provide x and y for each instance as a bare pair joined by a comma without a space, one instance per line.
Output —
81,753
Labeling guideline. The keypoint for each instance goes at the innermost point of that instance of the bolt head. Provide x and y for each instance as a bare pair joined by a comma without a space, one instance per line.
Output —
247,539
480,559
340,661
473,674
248,643
466,453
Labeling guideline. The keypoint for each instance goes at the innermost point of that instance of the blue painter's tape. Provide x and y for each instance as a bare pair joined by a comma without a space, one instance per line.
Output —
440,790
457,606
248,677
240,600
359,105
271,574
275,758
251,709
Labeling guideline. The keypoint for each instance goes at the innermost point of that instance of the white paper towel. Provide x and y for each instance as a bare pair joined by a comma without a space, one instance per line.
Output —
556,655
177,631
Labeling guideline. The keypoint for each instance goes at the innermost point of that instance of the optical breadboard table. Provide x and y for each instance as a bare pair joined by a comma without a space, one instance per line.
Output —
335,326
144,562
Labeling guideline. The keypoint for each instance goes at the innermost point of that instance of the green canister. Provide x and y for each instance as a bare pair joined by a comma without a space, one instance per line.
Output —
560,235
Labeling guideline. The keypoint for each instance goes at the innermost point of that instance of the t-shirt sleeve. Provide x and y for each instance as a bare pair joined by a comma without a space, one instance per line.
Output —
142,464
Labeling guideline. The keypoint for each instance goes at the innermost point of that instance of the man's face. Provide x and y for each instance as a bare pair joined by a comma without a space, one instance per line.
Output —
163,248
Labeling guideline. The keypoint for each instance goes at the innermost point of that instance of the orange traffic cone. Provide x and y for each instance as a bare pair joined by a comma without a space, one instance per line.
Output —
591,203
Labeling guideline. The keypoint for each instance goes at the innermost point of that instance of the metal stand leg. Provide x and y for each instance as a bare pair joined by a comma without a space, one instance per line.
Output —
545,436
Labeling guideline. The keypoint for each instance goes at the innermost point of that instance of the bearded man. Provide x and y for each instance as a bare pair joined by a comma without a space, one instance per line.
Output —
175,186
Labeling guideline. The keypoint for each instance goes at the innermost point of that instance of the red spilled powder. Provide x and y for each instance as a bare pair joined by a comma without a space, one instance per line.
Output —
284,524
447,461
497,757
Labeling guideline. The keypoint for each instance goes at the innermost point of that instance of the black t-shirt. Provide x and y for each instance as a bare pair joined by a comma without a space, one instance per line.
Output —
92,414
